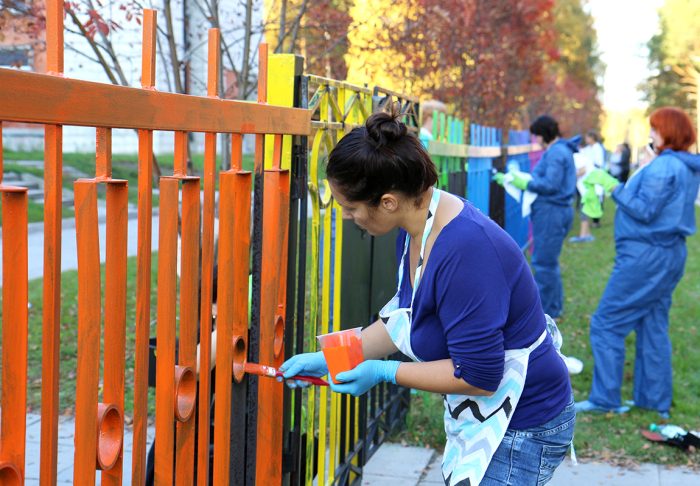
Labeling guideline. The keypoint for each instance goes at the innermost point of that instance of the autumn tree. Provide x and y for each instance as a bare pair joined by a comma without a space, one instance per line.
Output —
674,58
573,70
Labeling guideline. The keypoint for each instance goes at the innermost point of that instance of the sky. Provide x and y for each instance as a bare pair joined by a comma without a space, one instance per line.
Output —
624,27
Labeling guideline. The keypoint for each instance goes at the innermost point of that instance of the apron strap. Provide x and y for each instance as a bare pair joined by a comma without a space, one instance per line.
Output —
430,219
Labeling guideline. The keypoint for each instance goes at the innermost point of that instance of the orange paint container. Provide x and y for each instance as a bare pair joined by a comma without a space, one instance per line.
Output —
342,350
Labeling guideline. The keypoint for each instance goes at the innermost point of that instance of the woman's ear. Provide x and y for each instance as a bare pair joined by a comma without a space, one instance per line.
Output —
389,202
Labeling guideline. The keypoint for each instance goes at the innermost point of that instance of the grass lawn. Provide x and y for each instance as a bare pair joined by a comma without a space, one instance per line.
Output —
586,268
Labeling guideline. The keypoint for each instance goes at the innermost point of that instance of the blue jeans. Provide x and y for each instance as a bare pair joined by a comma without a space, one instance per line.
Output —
528,457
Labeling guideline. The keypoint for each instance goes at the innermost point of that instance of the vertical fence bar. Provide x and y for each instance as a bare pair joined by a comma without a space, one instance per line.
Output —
205,316
165,332
53,187
143,260
89,315
189,279
254,334
223,411
14,332
273,304
115,303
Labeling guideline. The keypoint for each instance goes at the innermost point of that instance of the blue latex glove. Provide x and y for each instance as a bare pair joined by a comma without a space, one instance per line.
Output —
602,178
309,364
365,375
498,178
519,181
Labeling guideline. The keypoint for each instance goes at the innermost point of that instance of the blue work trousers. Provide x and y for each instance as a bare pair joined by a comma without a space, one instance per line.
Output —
637,298
550,225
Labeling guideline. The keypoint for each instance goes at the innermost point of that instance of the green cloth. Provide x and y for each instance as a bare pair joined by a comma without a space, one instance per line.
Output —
590,203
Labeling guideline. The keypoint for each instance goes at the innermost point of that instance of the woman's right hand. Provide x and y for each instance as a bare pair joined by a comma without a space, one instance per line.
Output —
308,364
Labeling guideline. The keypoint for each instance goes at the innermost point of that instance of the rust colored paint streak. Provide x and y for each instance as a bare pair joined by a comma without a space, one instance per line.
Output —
165,332
143,306
14,324
143,259
103,153
205,317
1,149
53,190
189,288
87,379
115,303
54,36
180,156
39,98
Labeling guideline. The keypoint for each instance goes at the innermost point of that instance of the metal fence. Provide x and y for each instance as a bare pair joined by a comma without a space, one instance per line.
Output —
279,232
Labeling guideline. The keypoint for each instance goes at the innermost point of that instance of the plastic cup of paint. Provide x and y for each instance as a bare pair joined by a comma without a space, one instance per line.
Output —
342,350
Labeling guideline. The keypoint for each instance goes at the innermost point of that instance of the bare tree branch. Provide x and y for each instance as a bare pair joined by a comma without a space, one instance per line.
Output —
172,47
245,69
93,45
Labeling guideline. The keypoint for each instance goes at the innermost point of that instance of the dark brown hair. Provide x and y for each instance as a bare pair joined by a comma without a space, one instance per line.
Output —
380,157
675,128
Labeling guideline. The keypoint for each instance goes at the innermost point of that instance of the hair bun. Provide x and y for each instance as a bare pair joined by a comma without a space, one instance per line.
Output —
384,128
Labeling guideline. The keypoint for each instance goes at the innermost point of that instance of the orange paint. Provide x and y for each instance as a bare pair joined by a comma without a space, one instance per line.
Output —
14,334
143,259
342,350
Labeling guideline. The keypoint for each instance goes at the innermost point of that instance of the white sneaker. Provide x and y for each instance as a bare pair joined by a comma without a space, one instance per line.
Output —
574,365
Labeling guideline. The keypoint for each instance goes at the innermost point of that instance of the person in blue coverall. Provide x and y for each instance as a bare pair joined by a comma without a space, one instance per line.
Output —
655,214
554,181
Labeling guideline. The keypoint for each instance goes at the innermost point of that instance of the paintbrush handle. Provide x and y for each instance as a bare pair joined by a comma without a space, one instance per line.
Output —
311,379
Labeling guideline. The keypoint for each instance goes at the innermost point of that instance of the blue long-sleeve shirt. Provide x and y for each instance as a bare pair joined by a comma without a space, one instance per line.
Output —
657,205
554,176
477,298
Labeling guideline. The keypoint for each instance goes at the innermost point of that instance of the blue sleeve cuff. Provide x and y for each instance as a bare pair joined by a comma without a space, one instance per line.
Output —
487,377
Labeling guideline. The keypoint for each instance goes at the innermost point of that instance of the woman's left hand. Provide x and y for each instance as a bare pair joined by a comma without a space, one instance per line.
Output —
364,376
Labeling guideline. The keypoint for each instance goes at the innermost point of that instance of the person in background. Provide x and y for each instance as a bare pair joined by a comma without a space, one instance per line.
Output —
554,181
655,214
593,149
428,111
466,311
620,162
584,166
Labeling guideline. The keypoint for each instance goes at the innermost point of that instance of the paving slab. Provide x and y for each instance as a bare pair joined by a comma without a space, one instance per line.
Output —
394,464
602,474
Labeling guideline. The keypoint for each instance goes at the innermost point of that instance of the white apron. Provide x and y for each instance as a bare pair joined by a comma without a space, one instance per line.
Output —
475,425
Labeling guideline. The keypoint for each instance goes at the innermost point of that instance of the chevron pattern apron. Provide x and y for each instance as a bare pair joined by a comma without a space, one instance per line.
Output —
475,425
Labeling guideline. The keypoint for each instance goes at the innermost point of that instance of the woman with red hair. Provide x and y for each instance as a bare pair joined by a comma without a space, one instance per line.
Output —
655,213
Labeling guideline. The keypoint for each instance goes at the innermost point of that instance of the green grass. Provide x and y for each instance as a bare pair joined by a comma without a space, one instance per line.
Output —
613,438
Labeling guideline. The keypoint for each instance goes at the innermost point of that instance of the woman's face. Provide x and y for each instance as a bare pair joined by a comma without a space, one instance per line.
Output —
376,221
656,138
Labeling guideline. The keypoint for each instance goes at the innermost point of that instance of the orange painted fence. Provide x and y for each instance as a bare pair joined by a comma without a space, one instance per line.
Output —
261,432
55,101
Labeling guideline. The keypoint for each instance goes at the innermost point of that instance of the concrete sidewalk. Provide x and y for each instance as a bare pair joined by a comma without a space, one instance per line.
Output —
396,465
391,465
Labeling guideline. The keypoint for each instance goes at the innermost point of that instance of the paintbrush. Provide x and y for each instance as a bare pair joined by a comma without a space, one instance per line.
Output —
269,371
